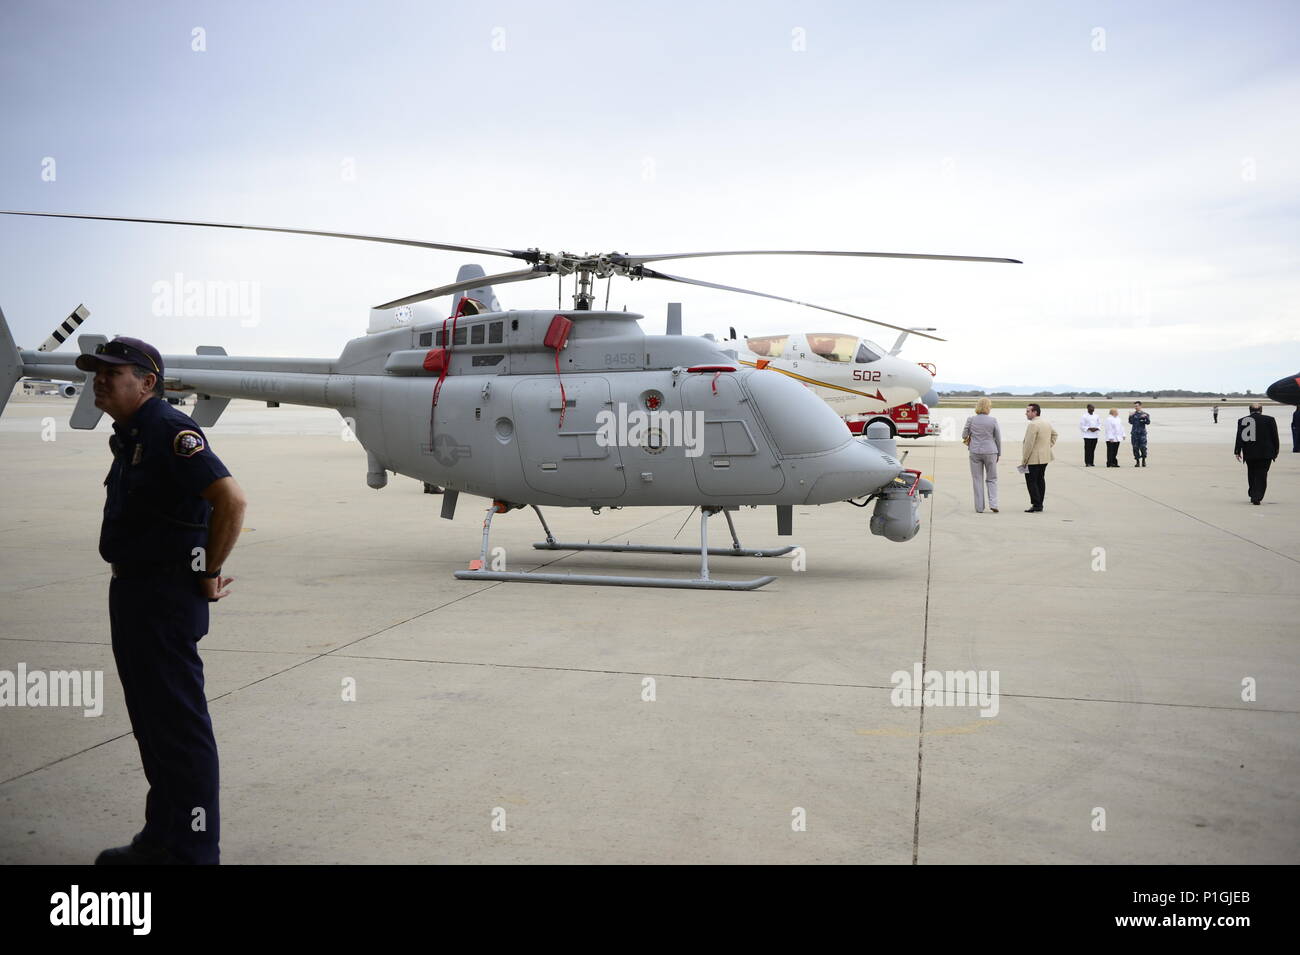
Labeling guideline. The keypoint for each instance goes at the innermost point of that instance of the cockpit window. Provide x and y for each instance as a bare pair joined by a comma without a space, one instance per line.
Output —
770,346
868,352
833,347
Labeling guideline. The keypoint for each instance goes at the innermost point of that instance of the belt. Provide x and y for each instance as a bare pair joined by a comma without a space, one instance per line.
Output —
157,569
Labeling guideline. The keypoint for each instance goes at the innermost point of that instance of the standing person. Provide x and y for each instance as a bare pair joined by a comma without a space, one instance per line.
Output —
1138,422
166,556
1257,445
1090,428
1036,454
1114,435
984,439
1215,412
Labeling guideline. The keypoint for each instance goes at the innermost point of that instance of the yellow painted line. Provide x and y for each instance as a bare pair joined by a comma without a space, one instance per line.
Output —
812,381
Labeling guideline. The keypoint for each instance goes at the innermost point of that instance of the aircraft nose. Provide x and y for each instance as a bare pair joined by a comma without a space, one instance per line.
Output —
919,379
1286,390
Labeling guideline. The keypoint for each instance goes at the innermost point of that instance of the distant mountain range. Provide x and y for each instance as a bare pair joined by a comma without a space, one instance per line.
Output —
947,387
1017,389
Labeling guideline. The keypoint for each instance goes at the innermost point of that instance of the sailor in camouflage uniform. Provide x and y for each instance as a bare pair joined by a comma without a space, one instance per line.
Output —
1138,422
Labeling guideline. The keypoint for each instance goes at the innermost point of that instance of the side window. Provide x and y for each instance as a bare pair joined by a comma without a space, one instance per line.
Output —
442,339
832,347
769,346
865,355
495,331
460,336
426,339
477,333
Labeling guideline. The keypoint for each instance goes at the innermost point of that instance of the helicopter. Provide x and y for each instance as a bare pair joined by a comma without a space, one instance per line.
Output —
573,407
852,374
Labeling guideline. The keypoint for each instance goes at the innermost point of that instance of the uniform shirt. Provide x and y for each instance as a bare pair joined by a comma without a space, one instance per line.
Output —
1090,421
1139,420
161,465
1114,428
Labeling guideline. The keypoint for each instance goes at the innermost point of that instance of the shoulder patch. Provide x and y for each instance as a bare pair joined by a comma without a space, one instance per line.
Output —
187,444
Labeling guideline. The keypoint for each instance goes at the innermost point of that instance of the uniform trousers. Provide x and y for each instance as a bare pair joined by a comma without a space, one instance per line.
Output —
157,620
1112,454
1089,449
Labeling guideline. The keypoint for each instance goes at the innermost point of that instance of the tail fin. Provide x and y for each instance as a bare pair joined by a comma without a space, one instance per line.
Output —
898,342
483,293
381,320
11,364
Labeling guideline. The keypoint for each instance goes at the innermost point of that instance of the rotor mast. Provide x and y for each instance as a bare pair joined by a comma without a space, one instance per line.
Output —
586,269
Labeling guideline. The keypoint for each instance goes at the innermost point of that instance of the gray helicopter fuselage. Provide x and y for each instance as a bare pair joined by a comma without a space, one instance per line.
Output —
648,420
639,426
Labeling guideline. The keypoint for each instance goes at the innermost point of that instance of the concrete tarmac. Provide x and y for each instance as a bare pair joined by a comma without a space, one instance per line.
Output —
1143,633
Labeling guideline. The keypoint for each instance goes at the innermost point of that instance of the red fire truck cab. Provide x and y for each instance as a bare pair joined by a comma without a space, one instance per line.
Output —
905,421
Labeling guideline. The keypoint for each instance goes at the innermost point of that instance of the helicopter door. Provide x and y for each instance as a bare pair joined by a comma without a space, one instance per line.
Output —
735,458
566,461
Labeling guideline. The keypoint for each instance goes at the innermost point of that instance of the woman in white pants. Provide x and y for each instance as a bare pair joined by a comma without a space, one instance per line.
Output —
984,438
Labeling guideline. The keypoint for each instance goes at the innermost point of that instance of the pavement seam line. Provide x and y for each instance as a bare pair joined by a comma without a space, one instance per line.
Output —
793,683
1199,520
399,623
300,663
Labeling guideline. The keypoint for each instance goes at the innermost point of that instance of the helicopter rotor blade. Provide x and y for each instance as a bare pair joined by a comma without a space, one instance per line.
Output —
641,259
652,274
444,247
501,279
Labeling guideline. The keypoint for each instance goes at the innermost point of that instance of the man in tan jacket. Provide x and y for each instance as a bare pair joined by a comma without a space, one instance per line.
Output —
1037,454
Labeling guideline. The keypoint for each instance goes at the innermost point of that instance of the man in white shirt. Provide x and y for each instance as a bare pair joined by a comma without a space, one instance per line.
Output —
1090,428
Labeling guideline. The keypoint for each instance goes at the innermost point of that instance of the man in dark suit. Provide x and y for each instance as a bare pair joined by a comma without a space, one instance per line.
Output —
1257,445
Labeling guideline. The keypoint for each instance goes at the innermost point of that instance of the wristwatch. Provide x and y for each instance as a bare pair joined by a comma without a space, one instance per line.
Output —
213,575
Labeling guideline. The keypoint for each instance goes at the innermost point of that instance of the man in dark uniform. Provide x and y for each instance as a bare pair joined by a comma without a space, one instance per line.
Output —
1257,445
171,518
1138,422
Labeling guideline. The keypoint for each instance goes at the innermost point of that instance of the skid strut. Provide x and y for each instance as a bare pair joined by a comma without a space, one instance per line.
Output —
479,569
735,550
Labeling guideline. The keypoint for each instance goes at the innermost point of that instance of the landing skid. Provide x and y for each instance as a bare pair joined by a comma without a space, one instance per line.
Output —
478,569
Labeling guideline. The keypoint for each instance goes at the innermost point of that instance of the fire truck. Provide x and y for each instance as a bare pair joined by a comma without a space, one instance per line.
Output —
905,421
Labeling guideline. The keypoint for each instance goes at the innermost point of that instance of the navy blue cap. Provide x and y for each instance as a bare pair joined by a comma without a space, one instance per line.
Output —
124,351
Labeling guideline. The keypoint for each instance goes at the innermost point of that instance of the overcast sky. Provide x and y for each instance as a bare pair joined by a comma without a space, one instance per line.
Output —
1141,158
